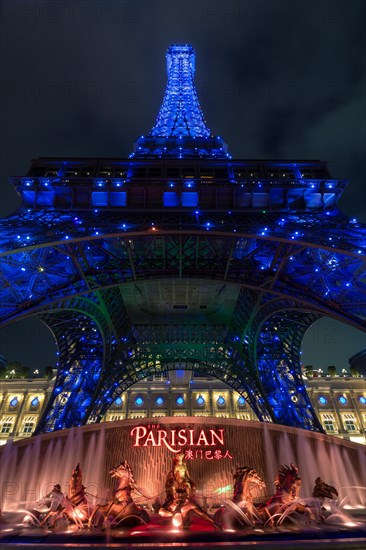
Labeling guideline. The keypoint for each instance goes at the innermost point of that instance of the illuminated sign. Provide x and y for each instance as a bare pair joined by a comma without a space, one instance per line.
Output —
175,439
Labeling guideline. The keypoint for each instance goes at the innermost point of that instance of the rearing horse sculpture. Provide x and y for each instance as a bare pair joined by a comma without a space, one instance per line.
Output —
241,509
76,504
322,490
121,507
285,501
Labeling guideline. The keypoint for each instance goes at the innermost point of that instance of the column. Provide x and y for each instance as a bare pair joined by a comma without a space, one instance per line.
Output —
190,402
210,394
148,409
356,410
339,418
46,396
19,419
128,398
169,401
231,404
5,397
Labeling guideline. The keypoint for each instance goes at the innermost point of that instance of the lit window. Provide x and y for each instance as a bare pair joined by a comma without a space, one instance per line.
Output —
35,402
159,400
322,400
200,401
221,401
28,427
342,400
350,425
180,400
139,401
118,401
362,400
241,401
14,402
6,427
329,425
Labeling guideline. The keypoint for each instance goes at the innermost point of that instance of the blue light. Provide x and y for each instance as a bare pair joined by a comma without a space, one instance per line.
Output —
159,400
221,401
322,400
362,400
139,401
342,400
200,401
35,402
118,401
180,128
14,402
180,400
241,401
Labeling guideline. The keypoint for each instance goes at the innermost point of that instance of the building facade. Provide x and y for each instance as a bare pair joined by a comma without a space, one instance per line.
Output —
340,402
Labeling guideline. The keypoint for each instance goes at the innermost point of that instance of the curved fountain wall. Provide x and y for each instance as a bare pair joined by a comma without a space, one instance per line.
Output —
30,468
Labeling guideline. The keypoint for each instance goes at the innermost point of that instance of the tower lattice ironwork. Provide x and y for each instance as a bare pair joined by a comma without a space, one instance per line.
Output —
180,257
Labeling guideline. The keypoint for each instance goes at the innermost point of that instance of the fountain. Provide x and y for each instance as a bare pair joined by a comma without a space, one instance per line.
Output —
216,453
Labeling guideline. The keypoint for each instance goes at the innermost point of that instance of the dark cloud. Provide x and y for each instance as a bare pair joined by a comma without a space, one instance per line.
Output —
276,79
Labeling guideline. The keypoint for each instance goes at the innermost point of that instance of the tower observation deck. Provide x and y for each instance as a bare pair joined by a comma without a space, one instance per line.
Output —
180,257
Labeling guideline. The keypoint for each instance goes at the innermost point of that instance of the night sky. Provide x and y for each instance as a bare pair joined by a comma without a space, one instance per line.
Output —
276,79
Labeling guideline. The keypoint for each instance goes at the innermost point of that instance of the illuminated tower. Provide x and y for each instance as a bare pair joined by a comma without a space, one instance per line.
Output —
180,130
180,258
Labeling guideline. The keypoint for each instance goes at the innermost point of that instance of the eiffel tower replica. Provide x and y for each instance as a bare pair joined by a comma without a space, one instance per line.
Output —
180,257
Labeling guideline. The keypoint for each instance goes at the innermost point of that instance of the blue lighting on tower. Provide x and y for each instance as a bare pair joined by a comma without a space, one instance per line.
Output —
180,129
180,114
88,226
